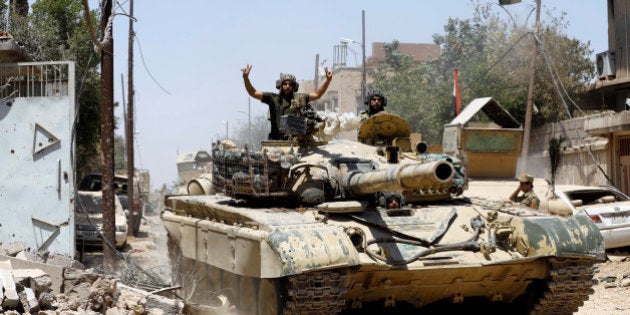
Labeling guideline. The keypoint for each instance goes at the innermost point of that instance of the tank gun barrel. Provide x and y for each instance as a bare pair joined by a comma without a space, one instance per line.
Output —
433,175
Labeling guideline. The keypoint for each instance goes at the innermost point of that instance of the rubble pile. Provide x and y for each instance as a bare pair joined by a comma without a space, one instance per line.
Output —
28,286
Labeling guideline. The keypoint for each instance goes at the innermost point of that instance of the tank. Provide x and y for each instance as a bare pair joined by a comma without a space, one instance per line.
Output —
308,226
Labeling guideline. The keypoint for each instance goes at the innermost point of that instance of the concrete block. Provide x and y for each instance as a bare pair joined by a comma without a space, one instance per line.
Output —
11,298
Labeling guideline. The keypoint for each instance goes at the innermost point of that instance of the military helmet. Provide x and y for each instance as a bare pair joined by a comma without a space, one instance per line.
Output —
386,197
374,92
287,77
525,178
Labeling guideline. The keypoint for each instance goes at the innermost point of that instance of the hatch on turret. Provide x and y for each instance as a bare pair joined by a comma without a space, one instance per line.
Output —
385,129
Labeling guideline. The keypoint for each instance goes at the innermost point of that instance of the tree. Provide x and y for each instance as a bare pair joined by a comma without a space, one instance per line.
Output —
493,60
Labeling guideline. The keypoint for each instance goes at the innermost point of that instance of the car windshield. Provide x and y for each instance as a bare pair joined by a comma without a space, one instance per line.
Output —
592,196
92,203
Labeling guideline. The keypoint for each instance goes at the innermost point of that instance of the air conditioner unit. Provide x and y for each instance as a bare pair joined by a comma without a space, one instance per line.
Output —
606,65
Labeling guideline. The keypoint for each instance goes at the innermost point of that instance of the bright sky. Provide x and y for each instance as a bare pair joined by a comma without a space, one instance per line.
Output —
195,49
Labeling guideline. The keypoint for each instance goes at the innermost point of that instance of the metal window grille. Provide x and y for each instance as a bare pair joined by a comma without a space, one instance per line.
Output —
36,79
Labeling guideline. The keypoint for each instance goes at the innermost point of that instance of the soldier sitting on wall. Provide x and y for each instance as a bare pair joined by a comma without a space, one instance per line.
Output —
528,198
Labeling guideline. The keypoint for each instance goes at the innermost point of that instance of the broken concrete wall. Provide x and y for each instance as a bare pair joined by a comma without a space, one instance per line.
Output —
582,155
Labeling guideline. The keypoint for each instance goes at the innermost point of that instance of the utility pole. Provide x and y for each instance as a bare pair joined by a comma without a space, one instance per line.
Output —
316,81
249,122
107,138
530,94
363,79
130,128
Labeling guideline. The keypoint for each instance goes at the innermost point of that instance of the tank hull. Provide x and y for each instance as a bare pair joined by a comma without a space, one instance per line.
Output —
354,256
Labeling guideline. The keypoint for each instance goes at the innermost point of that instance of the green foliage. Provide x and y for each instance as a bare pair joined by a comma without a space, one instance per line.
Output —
493,58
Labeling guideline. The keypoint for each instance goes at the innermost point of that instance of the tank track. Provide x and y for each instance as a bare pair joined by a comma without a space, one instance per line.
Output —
315,293
569,286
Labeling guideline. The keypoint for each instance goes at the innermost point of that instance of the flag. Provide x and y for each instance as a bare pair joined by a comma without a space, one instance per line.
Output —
457,102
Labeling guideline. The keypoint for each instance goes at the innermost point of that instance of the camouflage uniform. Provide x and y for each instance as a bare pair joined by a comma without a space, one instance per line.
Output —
279,106
529,199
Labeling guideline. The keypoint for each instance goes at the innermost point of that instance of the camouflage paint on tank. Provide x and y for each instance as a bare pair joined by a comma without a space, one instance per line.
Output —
569,237
312,249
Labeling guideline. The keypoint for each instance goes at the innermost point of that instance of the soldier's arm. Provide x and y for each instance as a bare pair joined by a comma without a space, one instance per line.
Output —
322,89
515,193
248,85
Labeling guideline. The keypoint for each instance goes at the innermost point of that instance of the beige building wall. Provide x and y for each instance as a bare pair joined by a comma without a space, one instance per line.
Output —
342,96
344,93
582,155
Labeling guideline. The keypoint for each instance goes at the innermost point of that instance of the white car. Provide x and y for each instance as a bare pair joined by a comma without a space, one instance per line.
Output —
606,206
89,220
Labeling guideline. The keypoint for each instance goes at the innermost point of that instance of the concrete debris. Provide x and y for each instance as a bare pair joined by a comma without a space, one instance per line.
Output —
30,291
12,249
87,293
610,285
617,256
10,295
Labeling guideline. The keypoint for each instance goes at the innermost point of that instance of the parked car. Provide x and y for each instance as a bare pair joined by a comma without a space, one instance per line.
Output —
89,220
93,182
606,206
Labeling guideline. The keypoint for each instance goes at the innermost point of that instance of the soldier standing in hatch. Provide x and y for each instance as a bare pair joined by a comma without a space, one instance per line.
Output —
281,104
528,198
376,102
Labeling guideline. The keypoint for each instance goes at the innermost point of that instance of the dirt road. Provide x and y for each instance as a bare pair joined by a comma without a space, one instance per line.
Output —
612,291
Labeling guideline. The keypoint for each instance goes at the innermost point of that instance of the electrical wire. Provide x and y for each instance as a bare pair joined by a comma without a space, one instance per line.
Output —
554,80
581,133
147,68
553,72
477,80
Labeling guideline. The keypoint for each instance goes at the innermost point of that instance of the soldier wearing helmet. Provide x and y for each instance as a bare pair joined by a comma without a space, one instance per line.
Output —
280,103
376,102
528,198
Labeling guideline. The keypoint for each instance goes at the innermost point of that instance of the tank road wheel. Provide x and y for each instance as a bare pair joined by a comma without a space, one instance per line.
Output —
270,300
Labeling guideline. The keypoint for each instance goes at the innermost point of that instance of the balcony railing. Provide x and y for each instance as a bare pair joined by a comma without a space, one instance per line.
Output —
36,79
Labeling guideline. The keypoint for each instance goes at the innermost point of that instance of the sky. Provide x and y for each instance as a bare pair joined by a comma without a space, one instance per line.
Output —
188,56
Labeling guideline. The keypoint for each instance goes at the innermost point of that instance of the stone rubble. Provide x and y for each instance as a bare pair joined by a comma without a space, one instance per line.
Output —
25,290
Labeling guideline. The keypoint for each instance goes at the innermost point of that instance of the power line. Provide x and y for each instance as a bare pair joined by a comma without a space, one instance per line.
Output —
553,71
147,68
477,80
